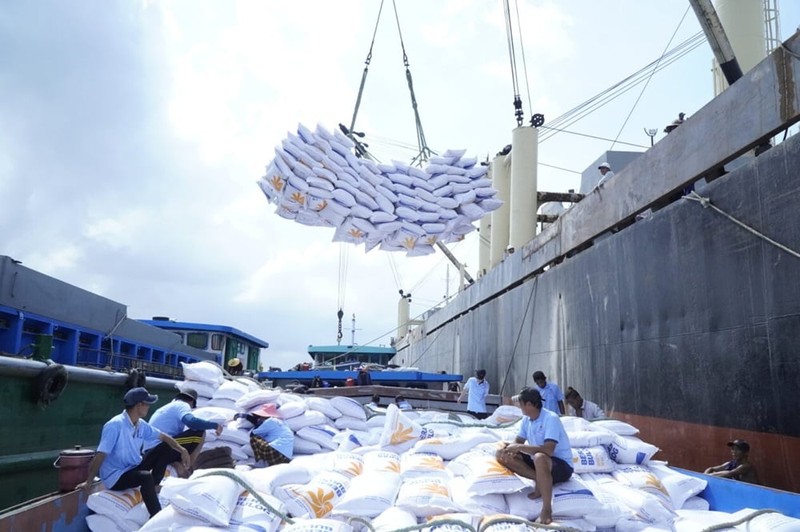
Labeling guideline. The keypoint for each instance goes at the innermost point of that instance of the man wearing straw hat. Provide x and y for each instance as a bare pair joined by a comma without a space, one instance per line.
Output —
272,440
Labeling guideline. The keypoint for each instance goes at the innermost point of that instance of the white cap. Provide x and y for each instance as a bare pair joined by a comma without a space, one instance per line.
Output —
604,165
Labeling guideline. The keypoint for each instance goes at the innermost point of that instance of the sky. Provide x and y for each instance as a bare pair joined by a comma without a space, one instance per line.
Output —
134,132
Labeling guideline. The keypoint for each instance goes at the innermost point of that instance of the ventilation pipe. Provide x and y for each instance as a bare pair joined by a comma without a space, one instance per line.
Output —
524,159
501,180
485,240
743,21
403,312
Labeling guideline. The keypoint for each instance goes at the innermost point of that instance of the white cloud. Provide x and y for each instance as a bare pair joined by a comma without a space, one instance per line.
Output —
134,134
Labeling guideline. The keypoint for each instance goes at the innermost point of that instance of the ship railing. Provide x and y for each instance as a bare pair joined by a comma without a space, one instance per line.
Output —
104,359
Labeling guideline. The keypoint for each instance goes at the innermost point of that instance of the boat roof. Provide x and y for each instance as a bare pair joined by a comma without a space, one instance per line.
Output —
206,327
327,353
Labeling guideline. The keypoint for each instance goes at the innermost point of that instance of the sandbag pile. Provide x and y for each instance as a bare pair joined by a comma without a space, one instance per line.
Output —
315,179
398,469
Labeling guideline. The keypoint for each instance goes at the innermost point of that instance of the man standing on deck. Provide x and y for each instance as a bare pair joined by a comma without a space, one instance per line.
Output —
605,173
551,394
119,455
476,389
176,419
540,452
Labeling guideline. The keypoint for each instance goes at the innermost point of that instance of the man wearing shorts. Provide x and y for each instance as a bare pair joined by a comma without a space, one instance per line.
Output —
540,452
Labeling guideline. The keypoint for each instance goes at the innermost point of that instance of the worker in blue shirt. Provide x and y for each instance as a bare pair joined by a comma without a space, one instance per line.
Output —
176,419
119,455
272,440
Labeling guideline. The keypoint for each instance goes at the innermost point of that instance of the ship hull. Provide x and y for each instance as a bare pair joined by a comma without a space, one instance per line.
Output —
35,435
684,323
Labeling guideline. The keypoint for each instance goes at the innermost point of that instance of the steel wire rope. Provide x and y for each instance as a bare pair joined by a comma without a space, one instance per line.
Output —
690,43
599,100
607,99
612,96
593,137
513,60
430,271
424,151
344,253
377,338
650,77
364,79
393,268
534,289
524,63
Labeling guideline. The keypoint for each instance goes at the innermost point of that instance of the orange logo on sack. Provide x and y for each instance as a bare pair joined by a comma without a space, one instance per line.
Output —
320,502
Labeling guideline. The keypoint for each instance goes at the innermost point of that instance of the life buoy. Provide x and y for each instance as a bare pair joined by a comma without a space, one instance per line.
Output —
136,379
49,384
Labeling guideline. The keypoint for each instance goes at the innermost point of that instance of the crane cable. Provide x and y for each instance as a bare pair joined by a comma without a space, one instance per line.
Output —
424,152
344,253
360,151
524,62
518,113
655,68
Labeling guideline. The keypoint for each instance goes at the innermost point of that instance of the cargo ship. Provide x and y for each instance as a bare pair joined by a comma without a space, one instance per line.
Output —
668,295
68,355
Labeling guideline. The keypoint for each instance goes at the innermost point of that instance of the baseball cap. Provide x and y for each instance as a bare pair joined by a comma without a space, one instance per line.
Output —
740,444
188,393
134,396
234,362
604,165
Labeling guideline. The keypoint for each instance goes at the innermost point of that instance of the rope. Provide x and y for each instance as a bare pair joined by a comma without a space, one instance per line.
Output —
648,79
246,485
521,328
731,524
706,202
366,522
364,77
436,523
490,522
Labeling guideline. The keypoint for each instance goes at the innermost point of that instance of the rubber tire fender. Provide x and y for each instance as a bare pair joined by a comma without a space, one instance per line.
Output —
50,383
136,379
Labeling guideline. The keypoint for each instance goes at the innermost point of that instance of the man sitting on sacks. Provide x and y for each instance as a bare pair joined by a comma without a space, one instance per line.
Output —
119,455
272,440
176,419
547,455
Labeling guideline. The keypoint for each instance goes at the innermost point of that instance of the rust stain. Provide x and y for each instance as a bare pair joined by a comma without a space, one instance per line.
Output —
695,447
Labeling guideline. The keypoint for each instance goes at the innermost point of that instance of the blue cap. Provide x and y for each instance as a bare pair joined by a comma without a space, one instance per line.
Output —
139,395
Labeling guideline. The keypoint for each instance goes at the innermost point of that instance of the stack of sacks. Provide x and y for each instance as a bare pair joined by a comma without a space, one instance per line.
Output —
315,179
206,500
116,510
413,475
202,377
